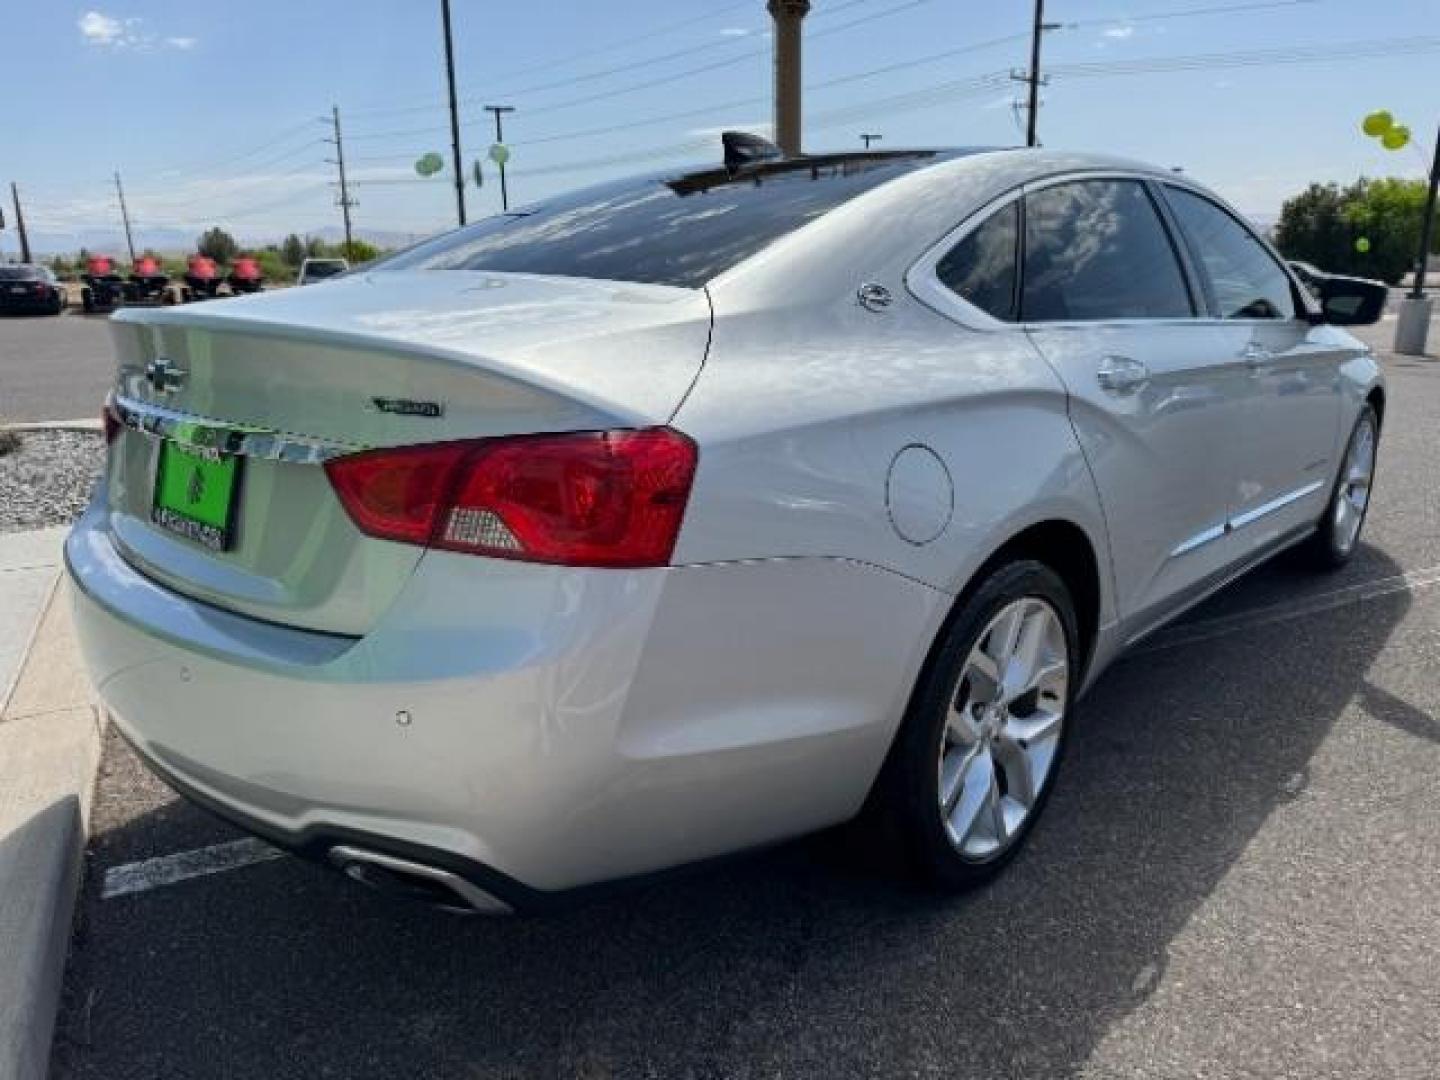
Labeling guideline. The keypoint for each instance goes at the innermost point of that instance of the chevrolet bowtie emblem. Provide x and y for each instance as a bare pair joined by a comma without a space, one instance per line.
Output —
163,376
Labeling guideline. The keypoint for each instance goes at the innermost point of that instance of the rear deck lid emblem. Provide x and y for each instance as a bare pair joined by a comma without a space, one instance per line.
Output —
405,407
163,376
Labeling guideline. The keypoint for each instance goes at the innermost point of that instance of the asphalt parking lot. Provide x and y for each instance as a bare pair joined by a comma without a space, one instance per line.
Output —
54,367
1236,877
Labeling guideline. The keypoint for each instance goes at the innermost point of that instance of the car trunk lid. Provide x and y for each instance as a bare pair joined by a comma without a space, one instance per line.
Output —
286,380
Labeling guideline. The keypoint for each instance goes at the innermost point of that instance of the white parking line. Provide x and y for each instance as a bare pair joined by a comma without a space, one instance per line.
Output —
169,869
1189,633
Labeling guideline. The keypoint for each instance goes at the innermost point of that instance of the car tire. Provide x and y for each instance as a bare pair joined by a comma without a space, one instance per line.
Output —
973,764
1338,535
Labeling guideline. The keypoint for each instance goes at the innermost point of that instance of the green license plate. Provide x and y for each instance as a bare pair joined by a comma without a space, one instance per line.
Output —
195,494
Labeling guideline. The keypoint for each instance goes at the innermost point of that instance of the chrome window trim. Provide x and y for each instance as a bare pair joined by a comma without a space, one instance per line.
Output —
925,285
222,437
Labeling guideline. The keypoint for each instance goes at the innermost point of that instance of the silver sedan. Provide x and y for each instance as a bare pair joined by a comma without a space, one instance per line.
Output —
695,511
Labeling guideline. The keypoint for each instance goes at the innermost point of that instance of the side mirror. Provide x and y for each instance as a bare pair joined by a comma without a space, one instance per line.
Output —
1349,301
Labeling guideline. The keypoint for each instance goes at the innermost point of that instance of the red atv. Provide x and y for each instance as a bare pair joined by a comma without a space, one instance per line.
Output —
202,278
246,276
148,284
104,289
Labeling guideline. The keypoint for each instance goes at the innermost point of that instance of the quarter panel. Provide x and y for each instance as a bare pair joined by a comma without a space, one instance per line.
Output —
801,410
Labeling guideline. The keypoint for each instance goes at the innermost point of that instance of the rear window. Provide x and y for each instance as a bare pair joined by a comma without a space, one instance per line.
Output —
19,273
661,230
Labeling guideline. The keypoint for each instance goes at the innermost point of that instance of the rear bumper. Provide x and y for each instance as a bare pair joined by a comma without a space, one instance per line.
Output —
533,729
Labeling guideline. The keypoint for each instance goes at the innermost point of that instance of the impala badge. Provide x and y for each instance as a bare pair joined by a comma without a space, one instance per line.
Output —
432,410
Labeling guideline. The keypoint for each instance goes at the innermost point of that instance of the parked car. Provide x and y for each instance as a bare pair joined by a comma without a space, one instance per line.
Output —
695,511
313,270
32,289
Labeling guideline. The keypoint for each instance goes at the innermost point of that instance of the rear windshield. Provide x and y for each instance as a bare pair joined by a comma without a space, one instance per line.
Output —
20,273
662,230
324,269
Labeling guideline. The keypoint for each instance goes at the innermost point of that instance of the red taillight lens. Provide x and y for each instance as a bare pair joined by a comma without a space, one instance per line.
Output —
612,498
109,421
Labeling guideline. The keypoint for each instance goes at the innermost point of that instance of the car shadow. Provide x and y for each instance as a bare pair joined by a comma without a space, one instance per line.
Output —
801,961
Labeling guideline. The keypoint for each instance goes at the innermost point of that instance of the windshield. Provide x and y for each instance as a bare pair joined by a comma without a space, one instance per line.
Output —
662,230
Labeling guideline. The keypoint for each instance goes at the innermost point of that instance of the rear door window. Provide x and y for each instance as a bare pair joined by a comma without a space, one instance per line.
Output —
1098,250
982,268
1246,280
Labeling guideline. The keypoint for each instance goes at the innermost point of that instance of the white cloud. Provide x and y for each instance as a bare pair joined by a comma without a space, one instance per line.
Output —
1119,33
98,28
734,31
107,32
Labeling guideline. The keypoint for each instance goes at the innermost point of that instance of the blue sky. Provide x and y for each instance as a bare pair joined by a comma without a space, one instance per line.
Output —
210,111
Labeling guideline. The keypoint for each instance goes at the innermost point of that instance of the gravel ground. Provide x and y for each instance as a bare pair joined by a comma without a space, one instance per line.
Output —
48,480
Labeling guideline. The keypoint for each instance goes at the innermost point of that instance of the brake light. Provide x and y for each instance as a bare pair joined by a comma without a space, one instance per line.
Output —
109,421
594,498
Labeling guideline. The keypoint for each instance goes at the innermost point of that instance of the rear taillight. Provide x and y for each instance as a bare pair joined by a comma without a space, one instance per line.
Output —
109,421
611,498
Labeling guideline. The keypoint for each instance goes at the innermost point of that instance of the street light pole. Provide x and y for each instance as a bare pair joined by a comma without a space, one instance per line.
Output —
868,138
500,111
1427,230
454,112
1412,324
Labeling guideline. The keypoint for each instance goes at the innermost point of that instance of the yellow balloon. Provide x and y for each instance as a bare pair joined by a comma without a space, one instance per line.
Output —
1377,124
1396,138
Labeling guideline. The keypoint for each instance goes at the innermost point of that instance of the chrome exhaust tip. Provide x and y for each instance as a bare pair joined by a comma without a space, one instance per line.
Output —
416,881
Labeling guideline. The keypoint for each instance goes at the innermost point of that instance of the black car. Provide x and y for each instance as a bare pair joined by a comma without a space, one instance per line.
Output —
32,289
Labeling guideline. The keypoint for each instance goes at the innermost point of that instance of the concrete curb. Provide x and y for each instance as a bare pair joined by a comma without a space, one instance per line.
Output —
50,739
53,425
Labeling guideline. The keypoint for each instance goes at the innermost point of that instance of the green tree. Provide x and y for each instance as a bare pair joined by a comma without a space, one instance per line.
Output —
1322,224
62,267
217,244
1388,213
316,248
361,251
292,250
1313,228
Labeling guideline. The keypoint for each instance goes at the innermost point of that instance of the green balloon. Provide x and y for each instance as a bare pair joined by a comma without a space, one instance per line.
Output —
1362,245
1397,138
1377,124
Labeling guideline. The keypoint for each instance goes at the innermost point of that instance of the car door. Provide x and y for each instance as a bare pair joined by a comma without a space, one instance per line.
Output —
1107,298
1285,451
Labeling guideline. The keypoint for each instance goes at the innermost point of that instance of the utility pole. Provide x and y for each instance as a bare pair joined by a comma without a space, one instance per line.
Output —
455,114
339,161
20,224
125,216
501,157
868,139
787,16
1033,76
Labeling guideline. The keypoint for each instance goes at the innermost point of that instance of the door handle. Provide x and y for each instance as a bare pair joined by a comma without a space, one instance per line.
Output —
1254,355
1121,374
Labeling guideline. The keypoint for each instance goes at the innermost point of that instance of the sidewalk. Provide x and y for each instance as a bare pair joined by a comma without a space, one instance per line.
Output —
49,750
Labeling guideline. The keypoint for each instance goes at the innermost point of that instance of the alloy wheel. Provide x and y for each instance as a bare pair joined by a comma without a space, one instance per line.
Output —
1003,729
1352,494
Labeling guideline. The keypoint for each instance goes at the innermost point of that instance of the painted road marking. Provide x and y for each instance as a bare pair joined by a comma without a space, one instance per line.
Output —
170,869
1209,629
